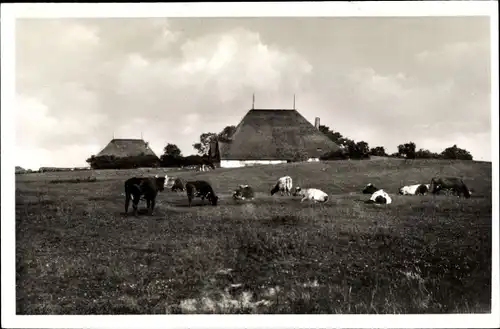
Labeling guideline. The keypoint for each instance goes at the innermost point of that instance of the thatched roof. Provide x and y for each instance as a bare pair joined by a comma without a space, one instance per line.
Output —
123,148
275,135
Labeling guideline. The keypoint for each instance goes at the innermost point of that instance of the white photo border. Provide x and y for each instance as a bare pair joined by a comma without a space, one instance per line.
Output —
9,12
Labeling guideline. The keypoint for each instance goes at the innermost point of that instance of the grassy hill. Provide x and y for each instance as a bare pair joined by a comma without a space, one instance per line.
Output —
76,252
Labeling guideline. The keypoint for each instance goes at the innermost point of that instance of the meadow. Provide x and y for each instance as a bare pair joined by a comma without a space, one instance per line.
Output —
77,253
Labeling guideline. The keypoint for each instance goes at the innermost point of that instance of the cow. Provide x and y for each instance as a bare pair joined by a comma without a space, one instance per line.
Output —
380,197
179,185
416,189
370,189
244,192
201,189
148,187
451,183
284,185
311,194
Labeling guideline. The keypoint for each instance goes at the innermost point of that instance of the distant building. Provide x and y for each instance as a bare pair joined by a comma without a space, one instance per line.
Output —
125,153
273,136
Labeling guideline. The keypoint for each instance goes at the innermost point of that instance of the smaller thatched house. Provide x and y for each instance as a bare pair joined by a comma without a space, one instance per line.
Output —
125,154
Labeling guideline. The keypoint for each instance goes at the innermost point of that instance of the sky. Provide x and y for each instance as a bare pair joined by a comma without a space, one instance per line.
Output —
384,80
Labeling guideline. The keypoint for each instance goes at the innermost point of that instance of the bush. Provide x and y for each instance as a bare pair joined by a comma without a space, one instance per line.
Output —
334,155
112,162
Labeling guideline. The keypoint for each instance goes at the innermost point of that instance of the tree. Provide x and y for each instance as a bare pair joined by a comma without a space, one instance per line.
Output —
426,154
172,156
363,150
378,151
335,137
203,146
407,150
172,150
226,133
456,153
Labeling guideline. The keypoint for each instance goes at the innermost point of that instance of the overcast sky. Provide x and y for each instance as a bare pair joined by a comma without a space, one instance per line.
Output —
386,81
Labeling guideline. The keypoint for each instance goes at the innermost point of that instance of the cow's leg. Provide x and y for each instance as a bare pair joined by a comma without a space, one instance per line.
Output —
153,203
303,199
135,203
148,203
190,199
127,202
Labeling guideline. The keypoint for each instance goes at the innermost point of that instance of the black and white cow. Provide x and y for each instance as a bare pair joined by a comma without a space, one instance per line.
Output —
244,192
284,186
416,189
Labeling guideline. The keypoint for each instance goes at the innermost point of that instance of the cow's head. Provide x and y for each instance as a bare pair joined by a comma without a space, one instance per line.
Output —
160,183
297,191
212,198
370,189
402,190
276,188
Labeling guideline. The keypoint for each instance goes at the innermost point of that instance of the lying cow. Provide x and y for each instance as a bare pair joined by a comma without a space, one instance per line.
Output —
380,197
370,189
244,192
416,189
311,194
284,185
148,187
454,184
201,189
178,185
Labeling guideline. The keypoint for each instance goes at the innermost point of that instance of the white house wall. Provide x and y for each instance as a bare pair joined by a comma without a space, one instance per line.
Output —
240,163
245,163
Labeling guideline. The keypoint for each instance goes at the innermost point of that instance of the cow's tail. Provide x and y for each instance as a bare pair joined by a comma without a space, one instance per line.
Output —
465,189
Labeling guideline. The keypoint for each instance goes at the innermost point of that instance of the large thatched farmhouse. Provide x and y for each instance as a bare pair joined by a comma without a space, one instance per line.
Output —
272,136
125,153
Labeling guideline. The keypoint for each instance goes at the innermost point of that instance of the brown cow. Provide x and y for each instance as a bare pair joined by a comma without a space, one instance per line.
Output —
148,187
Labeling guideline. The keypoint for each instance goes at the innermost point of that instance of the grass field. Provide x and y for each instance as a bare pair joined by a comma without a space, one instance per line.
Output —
76,252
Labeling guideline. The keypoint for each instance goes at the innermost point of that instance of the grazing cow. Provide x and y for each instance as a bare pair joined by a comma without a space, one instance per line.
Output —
451,183
380,197
284,185
312,194
416,189
370,189
201,189
148,187
179,185
244,192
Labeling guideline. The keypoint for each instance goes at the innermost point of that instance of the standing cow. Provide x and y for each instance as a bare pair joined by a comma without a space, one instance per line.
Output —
148,187
284,185
449,183
201,189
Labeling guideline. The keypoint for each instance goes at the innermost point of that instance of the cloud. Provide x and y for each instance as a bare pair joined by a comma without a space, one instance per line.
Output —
87,79
81,81
444,96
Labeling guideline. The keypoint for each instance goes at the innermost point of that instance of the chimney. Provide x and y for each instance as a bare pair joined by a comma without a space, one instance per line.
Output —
316,123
